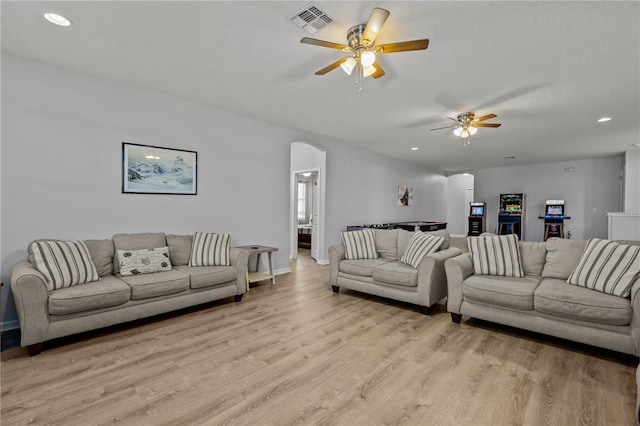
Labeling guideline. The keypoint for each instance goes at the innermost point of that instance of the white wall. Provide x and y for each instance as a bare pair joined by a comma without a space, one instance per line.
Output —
457,208
632,181
590,191
61,166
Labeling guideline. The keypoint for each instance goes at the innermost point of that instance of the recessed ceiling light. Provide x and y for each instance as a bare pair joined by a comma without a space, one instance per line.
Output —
569,169
637,145
509,157
54,18
414,148
604,119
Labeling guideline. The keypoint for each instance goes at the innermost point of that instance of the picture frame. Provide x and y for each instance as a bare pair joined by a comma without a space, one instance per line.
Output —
148,169
405,196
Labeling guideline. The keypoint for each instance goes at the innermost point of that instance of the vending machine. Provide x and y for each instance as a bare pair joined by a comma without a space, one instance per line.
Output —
511,213
476,218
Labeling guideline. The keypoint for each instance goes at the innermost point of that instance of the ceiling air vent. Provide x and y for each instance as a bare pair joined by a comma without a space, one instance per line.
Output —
310,18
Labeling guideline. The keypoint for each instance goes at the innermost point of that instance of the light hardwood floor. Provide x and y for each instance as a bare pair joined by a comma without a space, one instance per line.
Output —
298,353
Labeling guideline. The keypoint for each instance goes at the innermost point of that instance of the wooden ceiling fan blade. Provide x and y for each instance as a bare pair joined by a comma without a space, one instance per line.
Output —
331,67
403,46
379,71
376,20
322,43
486,117
447,127
487,124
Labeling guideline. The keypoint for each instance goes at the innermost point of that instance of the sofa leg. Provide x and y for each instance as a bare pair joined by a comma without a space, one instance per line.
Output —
425,310
456,318
335,288
35,349
238,297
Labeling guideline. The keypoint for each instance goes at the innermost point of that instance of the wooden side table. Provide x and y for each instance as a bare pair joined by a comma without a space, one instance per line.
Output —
259,251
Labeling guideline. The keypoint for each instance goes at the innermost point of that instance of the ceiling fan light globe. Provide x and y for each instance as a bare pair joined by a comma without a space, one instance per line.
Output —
472,130
367,71
367,58
457,131
348,65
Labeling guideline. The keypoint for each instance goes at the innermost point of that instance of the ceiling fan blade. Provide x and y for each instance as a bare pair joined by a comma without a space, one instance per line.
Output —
403,46
453,119
331,67
376,20
322,43
486,117
486,124
379,71
447,127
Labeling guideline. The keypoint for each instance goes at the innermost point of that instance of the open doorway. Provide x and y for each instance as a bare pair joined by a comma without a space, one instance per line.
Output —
307,200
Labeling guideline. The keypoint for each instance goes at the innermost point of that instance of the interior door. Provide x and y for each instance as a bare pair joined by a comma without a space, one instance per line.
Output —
468,198
315,214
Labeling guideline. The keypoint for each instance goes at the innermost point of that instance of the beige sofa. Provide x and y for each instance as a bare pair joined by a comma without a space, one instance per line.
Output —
543,302
387,277
46,315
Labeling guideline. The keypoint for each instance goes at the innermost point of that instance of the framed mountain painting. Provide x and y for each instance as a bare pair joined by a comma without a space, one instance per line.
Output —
150,169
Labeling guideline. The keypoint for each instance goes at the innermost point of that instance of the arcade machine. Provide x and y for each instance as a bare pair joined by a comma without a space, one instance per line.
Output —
554,216
511,215
476,219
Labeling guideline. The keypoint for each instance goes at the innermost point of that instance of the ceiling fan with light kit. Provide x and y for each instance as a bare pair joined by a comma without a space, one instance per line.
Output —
361,44
467,124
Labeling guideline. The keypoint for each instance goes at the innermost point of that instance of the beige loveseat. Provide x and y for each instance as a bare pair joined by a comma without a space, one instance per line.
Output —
387,277
114,299
543,301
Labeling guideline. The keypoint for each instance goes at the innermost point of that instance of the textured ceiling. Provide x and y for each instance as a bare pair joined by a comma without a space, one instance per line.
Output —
547,69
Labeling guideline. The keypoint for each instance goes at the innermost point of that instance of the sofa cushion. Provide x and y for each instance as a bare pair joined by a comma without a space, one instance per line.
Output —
109,291
210,249
608,267
496,255
102,253
144,261
179,248
136,242
359,244
421,244
63,263
532,256
554,296
205,276
361,267
562,256
387,243
405,236
396,273
511,292
157,284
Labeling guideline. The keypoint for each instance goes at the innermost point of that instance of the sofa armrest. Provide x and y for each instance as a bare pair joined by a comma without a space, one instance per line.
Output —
240,259
457,269
31,296
432,281
635,319
336,254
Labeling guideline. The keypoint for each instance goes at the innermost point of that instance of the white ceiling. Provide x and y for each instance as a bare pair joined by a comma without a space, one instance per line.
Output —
548,69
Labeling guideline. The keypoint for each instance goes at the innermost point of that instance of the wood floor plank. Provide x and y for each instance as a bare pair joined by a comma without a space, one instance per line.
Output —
298,353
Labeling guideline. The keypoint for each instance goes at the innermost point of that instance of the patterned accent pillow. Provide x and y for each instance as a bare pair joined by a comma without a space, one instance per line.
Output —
210,249
144,261
608,267
496,255
63,263
360,244
420,245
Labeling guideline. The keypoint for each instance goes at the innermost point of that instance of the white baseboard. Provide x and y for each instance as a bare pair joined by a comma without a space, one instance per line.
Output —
281,271
9,325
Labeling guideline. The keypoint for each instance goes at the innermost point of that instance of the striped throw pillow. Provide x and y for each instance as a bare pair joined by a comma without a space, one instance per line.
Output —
496,255
210,249
608,267
359,244
420,245
63,263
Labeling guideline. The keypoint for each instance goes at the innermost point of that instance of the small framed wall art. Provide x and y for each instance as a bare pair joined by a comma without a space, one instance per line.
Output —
405,196
150,169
